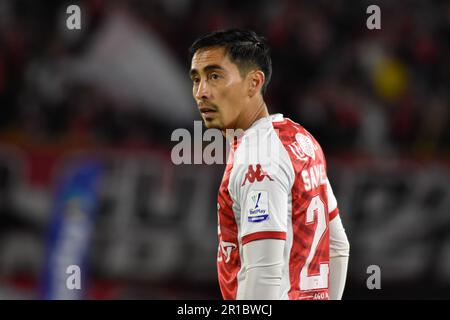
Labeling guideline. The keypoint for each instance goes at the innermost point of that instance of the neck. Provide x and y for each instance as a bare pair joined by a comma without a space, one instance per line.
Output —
254,115
250,115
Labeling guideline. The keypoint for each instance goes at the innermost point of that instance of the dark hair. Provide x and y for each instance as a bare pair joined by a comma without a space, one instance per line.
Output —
244,48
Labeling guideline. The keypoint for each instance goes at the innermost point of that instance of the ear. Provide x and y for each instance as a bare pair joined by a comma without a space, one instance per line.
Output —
255,80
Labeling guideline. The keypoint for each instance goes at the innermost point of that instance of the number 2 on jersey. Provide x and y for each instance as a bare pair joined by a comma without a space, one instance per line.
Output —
319,281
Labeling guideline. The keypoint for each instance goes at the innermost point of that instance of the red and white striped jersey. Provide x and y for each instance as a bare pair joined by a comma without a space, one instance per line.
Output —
275,186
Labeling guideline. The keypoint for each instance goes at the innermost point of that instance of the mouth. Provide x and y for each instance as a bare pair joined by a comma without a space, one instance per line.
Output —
207,111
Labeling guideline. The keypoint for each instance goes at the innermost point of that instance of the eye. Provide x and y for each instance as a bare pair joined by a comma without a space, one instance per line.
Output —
214,76
195,80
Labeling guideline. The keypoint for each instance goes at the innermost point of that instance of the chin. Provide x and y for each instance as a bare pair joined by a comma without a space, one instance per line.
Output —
211,124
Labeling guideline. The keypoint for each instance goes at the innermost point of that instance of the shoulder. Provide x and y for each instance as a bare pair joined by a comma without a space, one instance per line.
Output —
290,131
263,155
298,141
261,145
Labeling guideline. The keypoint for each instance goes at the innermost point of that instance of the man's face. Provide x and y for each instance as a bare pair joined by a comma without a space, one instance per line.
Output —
218,88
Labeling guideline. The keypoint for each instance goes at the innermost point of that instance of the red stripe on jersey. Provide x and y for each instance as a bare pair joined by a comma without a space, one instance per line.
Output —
228,259
333,214
302,232
263,235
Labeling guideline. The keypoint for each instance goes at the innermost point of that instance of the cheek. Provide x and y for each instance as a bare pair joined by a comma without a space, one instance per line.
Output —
236,99
234,93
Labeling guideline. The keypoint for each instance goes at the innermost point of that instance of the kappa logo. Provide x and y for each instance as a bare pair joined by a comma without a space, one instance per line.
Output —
257,175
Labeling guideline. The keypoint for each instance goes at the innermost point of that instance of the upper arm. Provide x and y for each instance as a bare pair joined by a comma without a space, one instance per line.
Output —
264,208
262,263
333,209
263,253
339,245
262,190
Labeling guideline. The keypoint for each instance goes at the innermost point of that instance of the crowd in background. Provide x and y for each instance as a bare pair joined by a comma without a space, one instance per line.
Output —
358,90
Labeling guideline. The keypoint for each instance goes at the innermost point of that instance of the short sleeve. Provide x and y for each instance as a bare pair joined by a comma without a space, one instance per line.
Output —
262,192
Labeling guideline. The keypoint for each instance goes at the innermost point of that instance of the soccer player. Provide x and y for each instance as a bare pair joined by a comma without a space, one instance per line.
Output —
280,234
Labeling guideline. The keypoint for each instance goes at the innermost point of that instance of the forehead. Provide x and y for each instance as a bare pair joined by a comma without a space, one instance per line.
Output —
211,56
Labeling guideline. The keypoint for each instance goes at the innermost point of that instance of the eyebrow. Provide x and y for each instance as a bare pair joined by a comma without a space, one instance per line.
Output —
206,69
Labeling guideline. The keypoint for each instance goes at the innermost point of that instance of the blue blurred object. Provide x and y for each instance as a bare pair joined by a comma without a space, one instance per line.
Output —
70,231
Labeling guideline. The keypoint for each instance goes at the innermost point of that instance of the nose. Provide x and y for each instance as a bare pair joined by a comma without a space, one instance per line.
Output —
202,92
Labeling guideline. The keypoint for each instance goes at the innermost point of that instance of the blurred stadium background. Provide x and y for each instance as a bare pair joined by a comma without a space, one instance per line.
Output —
86,118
